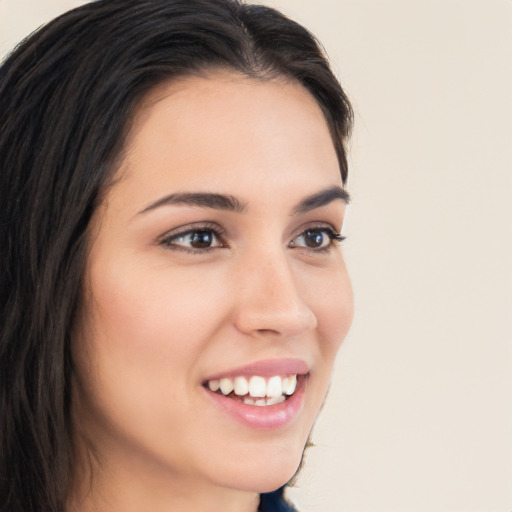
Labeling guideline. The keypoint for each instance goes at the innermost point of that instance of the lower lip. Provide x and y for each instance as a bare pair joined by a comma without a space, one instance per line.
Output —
268,417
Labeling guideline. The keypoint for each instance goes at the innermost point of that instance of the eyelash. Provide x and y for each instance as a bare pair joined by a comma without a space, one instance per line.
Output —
169,239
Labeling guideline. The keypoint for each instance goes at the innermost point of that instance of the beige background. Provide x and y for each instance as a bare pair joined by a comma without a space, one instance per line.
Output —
419,418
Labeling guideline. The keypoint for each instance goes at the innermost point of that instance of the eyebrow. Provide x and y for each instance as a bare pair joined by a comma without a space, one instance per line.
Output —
231,203
322,198
205,200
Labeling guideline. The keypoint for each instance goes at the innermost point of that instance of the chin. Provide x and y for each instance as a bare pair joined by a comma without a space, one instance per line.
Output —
265,472
267,480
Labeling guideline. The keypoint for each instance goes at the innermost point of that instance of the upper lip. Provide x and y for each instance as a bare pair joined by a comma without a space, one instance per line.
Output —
265,368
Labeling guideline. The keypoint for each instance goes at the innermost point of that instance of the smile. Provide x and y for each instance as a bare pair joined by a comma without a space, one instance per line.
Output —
255,390
262,395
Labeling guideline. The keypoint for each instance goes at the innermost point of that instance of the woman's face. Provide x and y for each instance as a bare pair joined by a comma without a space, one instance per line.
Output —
213,263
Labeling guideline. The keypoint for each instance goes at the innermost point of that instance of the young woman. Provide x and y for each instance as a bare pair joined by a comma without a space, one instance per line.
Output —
173,294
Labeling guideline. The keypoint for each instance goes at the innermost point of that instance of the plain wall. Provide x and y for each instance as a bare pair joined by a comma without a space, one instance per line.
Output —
419,417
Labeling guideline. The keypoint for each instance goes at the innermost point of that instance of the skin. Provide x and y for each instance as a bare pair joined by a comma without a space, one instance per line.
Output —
159,318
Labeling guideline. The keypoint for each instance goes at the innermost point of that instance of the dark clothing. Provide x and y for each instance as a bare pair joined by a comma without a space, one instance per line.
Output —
275,502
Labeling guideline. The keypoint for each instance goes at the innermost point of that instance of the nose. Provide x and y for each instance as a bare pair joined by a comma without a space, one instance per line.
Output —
268,301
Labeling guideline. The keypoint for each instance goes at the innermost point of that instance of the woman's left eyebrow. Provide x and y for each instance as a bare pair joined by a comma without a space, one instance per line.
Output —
322,198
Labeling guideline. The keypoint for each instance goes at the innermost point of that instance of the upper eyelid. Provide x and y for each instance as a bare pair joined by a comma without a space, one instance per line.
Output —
314,225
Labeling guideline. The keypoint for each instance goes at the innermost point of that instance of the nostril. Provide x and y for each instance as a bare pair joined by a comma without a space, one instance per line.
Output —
275,322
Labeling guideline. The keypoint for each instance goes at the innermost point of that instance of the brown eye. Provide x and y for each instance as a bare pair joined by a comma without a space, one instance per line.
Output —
201,239
315,239
197,240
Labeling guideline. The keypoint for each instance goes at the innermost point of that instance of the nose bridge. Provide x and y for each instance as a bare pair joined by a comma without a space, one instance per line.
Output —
269,300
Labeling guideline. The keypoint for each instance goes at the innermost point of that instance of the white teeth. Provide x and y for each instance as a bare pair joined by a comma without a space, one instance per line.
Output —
260,402
290,385
274,387
214,385
257,387
276,400
272,391
241,386
226,386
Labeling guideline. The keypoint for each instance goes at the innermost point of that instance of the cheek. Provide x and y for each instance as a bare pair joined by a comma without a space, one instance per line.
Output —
338,312
329,294
146,330
152,311
136,358
331,298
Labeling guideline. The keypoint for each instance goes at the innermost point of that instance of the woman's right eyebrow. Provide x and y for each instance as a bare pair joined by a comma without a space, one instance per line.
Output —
202,199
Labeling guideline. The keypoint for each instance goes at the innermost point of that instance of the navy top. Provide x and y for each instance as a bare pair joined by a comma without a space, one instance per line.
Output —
275,502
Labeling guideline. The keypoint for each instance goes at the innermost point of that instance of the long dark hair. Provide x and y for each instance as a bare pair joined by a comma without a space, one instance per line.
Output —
67,95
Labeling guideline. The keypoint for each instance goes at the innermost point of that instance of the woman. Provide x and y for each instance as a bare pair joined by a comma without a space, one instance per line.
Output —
173,296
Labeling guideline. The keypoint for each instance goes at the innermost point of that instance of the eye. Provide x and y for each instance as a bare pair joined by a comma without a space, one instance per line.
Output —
194,240
317,239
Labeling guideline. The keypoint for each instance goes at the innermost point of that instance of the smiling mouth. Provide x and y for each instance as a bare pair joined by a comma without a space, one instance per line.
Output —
256,390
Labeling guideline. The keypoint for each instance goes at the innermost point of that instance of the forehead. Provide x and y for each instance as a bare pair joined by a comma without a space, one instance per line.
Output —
225,130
